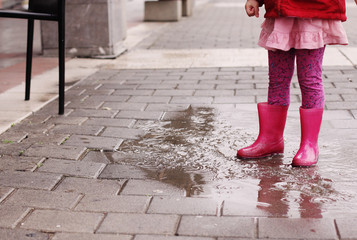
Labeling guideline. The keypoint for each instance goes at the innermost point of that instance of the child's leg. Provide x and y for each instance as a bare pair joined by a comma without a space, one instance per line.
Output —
309,71
281,70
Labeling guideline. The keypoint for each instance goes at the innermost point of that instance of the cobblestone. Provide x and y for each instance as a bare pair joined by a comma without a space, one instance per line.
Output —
119,204
7,234
72,168
11,215
86,236
217,226
150,188
139,224
42,199
62,221
33,180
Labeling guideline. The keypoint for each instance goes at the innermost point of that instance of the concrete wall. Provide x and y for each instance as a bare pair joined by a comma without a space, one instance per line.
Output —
94,28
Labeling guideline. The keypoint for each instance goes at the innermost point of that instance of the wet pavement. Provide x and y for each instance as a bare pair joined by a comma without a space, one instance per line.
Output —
149,153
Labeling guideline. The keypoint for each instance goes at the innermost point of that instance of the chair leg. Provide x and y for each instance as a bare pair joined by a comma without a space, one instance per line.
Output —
30,26
61,59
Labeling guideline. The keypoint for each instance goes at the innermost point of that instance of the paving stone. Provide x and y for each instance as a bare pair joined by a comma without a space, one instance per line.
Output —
44,139
94,142
14,149
304,228
42,199
96,156
62,221
10,216
84,104
183,206
149,99
74,129
176,92
29,127
140,115
106,113
139,224
4,192
116,171
72,168
196,86
344,124
157,86
62,152
22,234
346,228
217,226
157,237
236,99
108,98
176,116
67,120
196,100
240,86
167,107
90,186
19,163
121,204
12,136
244,209
33,180
214,93
134,92
124,106
151,187
88,236
123,133
118,86
110,122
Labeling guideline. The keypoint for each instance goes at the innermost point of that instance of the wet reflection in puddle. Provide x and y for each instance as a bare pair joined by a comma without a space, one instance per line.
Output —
196,152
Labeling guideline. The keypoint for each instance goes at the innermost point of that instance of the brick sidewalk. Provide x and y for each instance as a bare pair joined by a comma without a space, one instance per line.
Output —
98,169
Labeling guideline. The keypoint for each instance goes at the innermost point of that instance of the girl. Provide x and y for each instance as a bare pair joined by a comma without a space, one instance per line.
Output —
294,29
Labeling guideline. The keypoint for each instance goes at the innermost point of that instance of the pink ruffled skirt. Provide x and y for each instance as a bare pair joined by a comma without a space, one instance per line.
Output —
289,32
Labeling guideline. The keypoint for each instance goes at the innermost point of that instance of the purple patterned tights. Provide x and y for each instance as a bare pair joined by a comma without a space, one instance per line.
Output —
309,70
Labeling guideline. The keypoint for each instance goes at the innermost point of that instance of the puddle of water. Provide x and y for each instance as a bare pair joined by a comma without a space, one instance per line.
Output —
196,152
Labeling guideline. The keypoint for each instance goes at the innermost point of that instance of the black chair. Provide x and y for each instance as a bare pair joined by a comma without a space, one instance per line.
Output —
52,10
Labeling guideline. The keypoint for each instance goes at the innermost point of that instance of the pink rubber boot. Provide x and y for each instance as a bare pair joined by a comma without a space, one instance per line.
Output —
308,153
270,141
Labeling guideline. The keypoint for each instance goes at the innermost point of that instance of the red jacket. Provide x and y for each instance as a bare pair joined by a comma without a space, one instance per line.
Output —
324,9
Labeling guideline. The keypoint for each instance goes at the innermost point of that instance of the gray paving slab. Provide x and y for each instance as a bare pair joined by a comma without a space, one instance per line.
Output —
139,224
96,156
42,199
94,142
19,163
31,180
157,237
346,228
72,168
124,106
122,133
87,236
10,216
149,187
183,206
143,115
4,192
61,152
208,226
13,234
120,204
116,171
167,107
90,186
69,120
75,129
109,122
103,112
62,221
287,228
